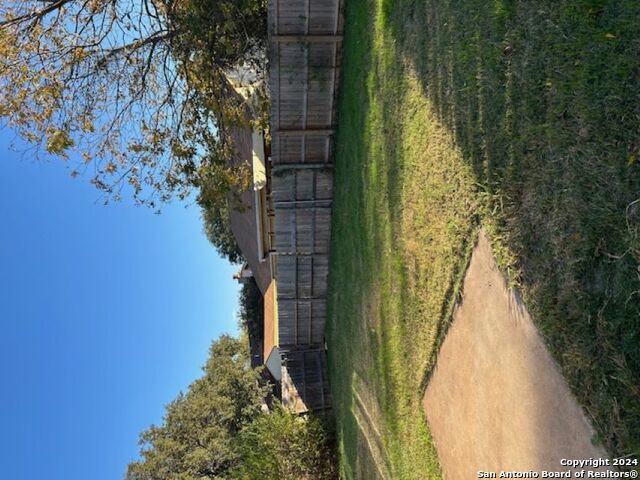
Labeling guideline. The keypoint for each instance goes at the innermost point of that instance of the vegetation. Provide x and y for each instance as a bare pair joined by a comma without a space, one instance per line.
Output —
142,94
460,114
217,227
251,313
219,430
284,446
140,90
196,439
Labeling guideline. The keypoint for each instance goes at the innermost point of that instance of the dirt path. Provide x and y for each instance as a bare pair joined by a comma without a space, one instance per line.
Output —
496,400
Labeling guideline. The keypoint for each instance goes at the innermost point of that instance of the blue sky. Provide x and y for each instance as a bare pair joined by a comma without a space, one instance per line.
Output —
106,313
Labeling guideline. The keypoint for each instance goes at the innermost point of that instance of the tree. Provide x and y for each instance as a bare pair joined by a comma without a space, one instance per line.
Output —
218,430
196,439
217,227
251,314
139,89
284,446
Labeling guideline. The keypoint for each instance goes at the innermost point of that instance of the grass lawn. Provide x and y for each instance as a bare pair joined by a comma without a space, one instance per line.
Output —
524,119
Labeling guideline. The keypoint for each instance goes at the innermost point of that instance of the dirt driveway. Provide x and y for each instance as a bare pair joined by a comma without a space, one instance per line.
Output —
496,400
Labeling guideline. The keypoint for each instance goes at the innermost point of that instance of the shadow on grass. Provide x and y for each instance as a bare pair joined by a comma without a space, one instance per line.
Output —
375,332
544,102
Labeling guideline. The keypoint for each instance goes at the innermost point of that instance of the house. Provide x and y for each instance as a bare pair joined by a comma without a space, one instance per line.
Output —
297,364
285,234
253,226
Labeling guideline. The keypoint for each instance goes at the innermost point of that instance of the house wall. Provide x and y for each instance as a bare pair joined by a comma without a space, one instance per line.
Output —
305,45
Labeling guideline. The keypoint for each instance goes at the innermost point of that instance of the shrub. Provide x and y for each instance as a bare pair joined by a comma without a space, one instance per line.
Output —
285,446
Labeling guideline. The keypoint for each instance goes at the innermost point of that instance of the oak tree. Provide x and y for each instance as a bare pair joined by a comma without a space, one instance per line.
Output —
218,429
141,90
197,437
217,228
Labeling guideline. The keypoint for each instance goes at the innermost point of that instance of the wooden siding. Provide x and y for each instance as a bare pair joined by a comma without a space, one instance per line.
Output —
305,52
